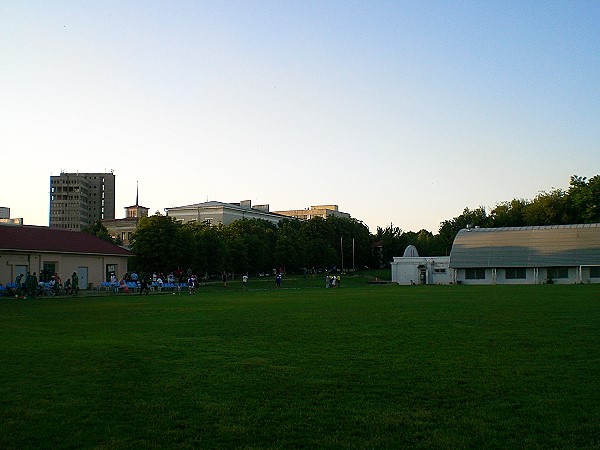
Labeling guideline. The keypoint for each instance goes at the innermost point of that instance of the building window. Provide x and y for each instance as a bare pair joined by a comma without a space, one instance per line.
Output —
595,272
515,273
475,274
558,272
439,270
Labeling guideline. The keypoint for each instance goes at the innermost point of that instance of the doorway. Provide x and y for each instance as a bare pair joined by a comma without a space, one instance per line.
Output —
82,273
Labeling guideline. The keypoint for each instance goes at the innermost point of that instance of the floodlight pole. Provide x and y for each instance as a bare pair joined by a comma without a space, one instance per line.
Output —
342,250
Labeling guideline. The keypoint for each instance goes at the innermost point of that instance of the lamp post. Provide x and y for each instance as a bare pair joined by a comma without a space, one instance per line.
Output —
342,250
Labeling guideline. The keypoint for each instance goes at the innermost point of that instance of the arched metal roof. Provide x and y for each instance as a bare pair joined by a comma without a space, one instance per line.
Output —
549,246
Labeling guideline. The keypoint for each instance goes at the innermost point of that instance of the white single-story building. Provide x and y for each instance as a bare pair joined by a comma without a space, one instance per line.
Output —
46,251
527,255
414,269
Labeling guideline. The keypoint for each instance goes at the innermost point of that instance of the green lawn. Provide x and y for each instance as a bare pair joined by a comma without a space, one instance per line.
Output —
360,366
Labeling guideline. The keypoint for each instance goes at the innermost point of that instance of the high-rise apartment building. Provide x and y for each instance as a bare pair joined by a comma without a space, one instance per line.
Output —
80,199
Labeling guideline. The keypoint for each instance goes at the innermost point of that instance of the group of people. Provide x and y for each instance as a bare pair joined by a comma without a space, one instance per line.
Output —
332,280
27,285
144,283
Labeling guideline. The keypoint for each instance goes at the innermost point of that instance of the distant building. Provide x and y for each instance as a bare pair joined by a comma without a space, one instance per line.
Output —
215,213
5,217
81,199
527,255
323,211
47,251
414,269
123,228
562,254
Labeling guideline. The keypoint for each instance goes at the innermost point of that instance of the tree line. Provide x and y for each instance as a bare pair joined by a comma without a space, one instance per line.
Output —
256,246
253,246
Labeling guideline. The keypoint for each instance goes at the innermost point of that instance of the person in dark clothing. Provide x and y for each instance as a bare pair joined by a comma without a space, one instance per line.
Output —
144,287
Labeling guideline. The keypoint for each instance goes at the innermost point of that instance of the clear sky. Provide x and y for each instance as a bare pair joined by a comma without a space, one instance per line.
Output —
399,112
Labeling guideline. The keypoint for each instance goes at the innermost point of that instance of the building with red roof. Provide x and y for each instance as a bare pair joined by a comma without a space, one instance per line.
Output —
44,250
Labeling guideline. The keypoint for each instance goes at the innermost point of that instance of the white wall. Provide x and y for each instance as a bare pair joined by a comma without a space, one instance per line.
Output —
532,276
406,271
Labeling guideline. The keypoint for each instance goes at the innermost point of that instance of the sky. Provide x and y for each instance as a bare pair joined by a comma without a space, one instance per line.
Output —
400,112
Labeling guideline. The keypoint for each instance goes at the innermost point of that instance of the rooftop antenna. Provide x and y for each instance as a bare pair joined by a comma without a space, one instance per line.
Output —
137,193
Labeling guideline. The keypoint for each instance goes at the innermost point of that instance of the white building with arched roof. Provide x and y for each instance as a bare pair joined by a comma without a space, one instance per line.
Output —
527,255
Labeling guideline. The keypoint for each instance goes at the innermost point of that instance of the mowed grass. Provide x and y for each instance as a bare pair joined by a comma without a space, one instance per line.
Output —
304,366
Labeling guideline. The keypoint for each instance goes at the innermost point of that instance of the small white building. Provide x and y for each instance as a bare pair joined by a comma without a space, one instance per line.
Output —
414,269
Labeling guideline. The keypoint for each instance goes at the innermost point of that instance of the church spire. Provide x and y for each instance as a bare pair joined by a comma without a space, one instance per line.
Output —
137,193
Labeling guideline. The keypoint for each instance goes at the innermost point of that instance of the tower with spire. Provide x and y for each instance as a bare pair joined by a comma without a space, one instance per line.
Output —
136,211
123,229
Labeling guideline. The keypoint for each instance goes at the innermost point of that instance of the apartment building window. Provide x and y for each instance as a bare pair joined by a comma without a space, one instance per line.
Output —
515,273
475,274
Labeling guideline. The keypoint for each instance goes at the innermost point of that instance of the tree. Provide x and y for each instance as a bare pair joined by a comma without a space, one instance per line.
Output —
251,244
548,208
99,230
392,242
319,241
211,249
158,244
584,199
290,249
509,214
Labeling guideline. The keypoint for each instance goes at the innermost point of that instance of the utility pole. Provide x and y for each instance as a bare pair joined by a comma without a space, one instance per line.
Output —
342,250
353,269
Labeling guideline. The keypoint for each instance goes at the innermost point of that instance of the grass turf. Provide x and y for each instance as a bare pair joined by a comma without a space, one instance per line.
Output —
359,366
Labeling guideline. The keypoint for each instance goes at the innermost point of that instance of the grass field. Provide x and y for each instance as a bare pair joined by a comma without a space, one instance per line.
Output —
360,366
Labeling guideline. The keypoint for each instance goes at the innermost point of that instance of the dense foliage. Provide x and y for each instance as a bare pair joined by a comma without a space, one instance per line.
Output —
99,230
254,246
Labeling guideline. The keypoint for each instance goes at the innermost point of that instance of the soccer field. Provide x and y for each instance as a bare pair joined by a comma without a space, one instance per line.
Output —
304,366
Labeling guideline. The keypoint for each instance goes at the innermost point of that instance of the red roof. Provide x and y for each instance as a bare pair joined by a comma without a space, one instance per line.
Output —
55,240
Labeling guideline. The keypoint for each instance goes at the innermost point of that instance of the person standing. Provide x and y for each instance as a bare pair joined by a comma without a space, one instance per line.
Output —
75,283
278,280
224,279
191,285
245,281
33,285
144,288
19,285
114,285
